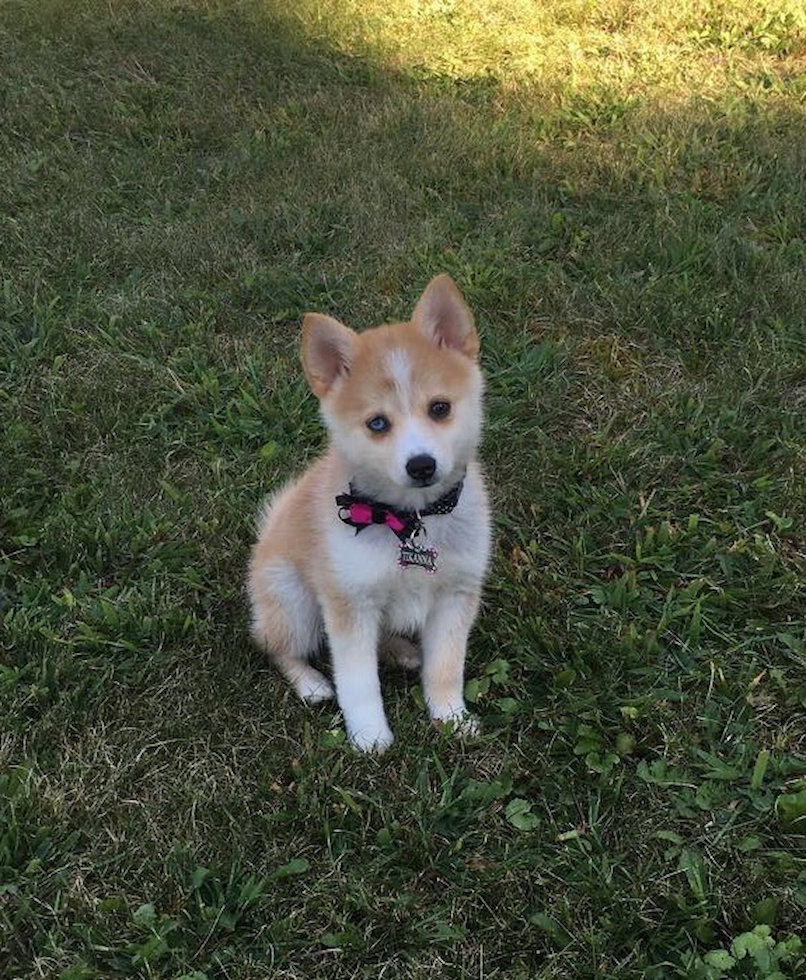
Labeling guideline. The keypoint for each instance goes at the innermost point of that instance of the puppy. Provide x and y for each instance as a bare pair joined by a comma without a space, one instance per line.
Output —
387,535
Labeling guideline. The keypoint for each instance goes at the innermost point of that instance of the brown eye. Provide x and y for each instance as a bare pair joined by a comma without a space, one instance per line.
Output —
439,410
379,424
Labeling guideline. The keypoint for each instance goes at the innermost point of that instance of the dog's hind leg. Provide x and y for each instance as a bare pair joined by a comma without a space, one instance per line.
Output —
400,652
287,624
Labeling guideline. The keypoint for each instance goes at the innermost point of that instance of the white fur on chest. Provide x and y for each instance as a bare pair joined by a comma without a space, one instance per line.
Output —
366,568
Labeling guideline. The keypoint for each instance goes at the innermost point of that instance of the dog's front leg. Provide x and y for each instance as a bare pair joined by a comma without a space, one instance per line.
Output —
444,641
353,635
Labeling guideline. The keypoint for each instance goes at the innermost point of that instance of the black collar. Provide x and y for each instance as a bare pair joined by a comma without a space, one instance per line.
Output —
359,512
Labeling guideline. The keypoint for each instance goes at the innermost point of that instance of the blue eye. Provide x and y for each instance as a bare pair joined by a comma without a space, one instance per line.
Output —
379,423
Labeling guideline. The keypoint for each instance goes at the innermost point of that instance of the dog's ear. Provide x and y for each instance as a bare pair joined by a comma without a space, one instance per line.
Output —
444,317
328,350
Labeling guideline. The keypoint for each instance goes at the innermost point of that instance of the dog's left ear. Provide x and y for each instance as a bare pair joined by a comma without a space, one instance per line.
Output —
328,351
444,317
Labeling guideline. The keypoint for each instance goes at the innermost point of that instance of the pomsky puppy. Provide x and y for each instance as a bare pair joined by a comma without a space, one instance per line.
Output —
387,536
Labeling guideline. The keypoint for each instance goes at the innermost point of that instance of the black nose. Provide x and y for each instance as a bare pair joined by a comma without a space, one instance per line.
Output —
421,468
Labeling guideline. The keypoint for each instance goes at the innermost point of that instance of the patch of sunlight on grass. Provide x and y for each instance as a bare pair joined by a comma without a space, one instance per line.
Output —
573,43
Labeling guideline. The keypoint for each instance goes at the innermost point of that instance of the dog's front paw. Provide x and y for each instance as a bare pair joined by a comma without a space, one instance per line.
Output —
376,740
457,720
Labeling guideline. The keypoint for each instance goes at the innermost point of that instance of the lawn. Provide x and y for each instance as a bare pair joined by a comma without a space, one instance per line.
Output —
618,188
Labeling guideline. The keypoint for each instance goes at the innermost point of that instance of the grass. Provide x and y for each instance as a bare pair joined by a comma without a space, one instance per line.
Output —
618,189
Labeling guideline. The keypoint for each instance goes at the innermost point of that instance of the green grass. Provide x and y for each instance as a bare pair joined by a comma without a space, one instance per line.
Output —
618,189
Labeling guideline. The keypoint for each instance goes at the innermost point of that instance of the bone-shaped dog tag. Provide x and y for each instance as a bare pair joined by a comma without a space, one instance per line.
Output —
414,554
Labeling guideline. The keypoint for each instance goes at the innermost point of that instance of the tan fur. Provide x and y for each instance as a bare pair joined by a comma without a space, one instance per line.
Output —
310,575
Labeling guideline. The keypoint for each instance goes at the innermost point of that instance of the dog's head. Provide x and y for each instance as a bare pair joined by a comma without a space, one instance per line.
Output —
402,402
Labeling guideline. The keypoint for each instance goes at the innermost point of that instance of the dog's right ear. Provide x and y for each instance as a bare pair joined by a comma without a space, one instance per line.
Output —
328,350
445,318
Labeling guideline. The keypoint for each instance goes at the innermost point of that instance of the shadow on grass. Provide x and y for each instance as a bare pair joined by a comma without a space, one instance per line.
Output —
219,155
